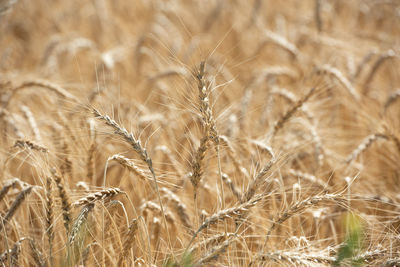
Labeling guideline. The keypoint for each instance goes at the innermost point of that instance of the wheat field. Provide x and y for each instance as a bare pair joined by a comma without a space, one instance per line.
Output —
200,133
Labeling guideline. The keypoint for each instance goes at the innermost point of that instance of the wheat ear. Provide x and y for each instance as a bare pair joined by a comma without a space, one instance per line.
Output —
49,218
138,148
382,58
392,98
25,144
12,253
179,206
130,237
227,213
15,205
257,181
279,124
299,207
334,72
101,195
214,254
79,221
65,201
32,122
129,164
43,84
36,254
4,190
366,143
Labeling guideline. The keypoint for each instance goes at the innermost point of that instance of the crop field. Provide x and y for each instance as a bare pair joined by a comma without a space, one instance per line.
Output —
200,133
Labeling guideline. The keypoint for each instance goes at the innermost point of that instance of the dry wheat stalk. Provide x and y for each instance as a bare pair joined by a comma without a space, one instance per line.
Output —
101,195
279,124
25,144
129,164
15,205
367,142
65,200
130,237
79,221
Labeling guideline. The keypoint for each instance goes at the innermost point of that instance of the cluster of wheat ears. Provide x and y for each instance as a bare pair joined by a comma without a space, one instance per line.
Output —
198,133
